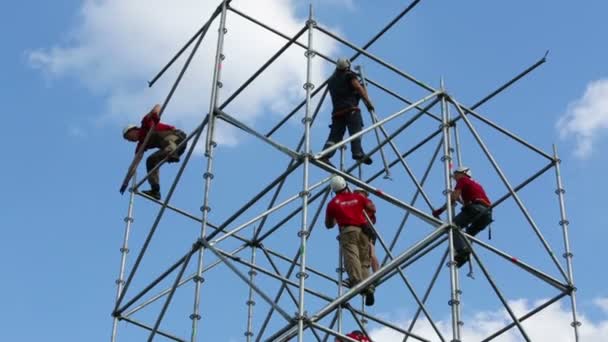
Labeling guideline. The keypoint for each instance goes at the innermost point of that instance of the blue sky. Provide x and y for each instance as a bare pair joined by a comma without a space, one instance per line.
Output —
78,72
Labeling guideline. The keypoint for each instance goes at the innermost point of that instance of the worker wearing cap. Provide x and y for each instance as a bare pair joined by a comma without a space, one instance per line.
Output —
369,231
476,213
346,209
164,137
346,91
355,335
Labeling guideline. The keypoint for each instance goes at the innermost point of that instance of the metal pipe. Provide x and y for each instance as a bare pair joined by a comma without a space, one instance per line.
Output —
505,132
124,250
303,234
526,316
560,191
298,148
141,325
404,278
208,175
414,199
510,82
508,185
447,164
231,120
199,34
183,282
171,293
402,160
140,152
495,287
289,332
537,273
293,264
164,160
333,333
376,59
379,123
457,143
388,325
427,293
250,301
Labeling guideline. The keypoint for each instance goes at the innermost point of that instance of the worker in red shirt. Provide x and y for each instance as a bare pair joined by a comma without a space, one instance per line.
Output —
346,91
355,335
164,137
346,209
476,212
371,234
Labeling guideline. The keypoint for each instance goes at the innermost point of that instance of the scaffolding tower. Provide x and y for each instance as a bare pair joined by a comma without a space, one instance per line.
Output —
321,301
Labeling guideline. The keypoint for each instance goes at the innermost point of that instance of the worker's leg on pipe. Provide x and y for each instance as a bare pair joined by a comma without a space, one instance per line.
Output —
364,256
354,122
349,242
336,133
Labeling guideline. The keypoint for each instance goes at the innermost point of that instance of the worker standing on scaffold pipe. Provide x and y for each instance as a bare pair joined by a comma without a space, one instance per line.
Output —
346,209
164,137
476,211
369,231
346,91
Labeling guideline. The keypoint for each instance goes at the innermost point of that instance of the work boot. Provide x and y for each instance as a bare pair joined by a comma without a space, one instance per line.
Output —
174,158
369,298
154,193
363,158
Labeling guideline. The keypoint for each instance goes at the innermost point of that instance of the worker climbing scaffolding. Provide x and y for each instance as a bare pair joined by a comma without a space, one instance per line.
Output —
162,136
346,91
476,213
346,210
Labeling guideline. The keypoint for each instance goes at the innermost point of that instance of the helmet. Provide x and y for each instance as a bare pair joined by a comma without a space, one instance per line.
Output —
463,169
337,183
127,129
342,63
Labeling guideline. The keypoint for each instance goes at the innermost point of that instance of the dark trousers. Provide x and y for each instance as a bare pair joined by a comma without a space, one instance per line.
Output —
475,217
354,122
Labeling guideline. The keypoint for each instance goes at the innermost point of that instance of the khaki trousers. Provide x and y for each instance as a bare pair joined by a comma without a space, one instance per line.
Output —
167,142
355,252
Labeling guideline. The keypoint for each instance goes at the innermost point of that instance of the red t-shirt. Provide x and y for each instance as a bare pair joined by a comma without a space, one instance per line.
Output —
358,336
471,191
147,123
347,208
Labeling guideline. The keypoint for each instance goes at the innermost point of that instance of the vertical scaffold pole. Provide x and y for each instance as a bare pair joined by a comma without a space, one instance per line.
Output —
340,269
208,175
456,141
124,251
560,191
447,163
250,301
308,86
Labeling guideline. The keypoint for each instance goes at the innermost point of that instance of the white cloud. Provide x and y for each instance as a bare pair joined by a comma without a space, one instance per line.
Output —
586,118
118,45
602,303
551,324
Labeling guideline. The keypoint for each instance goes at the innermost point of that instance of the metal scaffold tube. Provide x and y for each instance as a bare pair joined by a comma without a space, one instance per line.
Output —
447,165
208,175
564,223
339,308
303,234
124,251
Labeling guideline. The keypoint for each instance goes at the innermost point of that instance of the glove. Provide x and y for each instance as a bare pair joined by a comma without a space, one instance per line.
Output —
437,212
370,107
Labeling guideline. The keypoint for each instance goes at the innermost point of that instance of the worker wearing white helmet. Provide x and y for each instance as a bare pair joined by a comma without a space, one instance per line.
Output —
476,213
346,91
346,209
164,137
